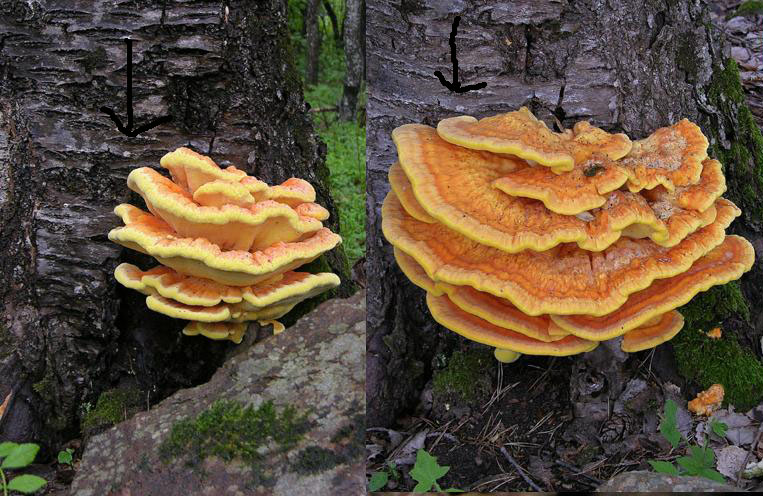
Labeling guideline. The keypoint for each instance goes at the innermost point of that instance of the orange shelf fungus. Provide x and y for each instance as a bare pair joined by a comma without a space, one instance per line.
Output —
707,401
714,333
227,243
536,242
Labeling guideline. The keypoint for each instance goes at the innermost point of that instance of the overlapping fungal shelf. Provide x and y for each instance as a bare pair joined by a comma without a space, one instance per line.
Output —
547,243
228,245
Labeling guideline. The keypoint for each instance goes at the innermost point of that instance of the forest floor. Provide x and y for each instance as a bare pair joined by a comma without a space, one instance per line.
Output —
519,433
511,427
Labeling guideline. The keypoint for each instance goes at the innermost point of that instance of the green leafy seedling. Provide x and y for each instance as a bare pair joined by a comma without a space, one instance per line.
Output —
65,456
700,461
426,471
718,428
16,456
380,479
669,424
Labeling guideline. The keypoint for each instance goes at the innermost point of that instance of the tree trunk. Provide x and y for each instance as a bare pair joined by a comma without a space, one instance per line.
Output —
68,331
627,66
354,56
334,22
313,38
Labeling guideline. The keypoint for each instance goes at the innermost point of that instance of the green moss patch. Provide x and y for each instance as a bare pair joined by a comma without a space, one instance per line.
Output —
722,361
743,159
230,430
314,459
709,308
113,406
466,376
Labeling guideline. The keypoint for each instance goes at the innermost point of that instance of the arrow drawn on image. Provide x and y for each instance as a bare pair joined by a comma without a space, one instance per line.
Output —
128,130
456,85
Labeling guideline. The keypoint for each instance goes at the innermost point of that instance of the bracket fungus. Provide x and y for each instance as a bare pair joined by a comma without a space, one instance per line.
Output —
227,243
545,243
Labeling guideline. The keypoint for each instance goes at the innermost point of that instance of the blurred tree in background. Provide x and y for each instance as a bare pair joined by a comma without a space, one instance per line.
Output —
328,43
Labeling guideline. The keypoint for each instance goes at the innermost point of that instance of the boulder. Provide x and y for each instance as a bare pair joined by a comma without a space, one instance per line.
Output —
649,482
285,416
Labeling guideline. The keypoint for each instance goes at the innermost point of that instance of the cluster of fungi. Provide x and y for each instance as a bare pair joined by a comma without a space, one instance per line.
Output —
545,243
228,245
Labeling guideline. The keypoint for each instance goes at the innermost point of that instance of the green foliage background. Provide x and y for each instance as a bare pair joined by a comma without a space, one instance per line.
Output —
345,141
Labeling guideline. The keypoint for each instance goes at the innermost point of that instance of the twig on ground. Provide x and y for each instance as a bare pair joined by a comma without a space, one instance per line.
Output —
577,471
519,469
753,446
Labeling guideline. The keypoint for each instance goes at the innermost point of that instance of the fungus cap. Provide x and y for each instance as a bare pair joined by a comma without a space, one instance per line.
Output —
517,133
671,156
472,327
585,187
229,226
290,287
495,310
233,331
726,262
563,280
453,185
201,258
650,335
190,170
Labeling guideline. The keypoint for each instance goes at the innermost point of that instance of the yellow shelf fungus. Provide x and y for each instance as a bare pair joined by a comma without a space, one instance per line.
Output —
538,242
228,244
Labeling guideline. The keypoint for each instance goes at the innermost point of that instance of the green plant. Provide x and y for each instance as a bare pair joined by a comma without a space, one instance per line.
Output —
426,471
65,456
16,456
701,459
380,479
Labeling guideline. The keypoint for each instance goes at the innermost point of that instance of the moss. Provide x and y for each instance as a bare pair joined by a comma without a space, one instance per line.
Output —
701,359
708,309
314,459
466,376
348,443
230,430
113,406
726,84
45,386
743,157
723,361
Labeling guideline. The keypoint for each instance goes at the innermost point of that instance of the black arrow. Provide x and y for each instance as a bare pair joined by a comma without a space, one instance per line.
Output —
128,130
455,85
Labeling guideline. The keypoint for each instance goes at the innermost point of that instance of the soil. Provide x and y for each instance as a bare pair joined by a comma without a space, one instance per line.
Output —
529,411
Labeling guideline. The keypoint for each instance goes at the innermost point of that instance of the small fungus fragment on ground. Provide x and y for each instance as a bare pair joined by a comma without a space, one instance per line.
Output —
536,242
714,333
707,401
227,243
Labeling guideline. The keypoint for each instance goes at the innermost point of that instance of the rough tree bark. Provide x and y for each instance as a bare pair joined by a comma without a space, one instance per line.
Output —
313,38
354,56
220,69
625,65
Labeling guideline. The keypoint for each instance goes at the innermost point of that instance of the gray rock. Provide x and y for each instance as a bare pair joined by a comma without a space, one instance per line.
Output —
647,482
316,367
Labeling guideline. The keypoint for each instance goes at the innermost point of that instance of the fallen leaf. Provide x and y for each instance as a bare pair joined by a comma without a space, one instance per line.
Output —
730,460
406,455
